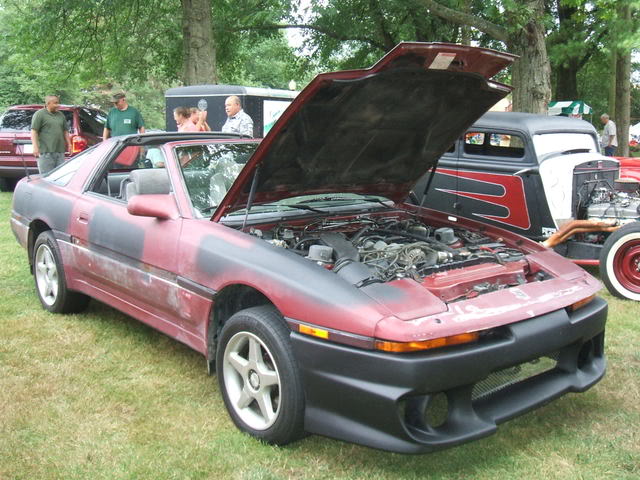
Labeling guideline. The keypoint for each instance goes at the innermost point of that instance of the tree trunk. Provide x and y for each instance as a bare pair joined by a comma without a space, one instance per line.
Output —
566,73
531,74
623,101
567,81
199,52
612,83
623,86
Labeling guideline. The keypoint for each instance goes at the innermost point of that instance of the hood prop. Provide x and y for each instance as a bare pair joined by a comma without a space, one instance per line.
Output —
252,194
426,188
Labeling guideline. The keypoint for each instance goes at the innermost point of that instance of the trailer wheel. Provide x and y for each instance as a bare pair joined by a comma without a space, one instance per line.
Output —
620,262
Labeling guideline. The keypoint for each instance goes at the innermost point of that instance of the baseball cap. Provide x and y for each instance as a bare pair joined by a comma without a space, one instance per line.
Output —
117,96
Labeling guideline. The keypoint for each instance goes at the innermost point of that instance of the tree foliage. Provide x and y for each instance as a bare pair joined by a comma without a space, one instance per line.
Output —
84,49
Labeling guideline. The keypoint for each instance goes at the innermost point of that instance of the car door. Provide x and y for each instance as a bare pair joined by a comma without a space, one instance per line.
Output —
128,260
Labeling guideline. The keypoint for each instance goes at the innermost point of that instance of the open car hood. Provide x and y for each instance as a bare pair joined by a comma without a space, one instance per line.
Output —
374,131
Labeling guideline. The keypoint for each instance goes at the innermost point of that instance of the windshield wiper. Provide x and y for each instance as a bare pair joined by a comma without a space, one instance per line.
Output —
302,206
360,197
208,209
299,206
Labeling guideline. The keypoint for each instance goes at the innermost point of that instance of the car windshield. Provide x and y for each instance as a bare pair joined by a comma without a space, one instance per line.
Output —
563,142
20,120
209,170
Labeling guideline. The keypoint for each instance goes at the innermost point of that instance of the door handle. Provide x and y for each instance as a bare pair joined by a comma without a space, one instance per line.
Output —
83,217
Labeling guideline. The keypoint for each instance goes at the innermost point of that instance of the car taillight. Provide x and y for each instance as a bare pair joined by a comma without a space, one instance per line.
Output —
78,144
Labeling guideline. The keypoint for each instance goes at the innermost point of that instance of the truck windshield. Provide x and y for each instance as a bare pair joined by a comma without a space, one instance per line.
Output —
20,120
562,142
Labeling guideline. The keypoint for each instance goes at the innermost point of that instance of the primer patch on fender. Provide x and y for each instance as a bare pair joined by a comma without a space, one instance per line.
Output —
519,293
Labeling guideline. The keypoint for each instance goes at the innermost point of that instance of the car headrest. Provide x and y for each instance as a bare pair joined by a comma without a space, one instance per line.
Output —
150,181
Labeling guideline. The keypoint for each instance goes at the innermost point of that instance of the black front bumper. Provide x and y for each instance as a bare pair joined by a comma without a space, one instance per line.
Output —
383,400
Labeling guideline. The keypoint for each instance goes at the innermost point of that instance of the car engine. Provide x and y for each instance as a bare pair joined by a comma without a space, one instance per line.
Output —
365,250
607,204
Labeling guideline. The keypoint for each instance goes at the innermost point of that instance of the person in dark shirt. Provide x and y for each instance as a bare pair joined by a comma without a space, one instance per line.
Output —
123,119
49,135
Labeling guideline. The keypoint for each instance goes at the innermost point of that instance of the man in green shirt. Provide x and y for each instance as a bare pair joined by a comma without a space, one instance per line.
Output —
122,119
49,135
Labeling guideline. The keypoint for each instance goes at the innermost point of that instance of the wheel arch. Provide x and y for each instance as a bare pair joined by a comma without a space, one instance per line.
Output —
228,301
36,227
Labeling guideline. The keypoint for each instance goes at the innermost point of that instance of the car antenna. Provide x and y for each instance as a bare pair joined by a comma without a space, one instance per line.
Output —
252,193
24,164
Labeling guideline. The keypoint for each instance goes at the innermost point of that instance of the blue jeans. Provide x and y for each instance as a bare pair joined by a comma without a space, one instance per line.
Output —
609,151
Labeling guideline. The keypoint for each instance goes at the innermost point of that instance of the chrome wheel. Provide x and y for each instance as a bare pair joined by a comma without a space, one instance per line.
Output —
46,273
251,380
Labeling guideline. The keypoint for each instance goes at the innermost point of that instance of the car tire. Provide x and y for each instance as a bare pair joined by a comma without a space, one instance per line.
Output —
620,262
50,280
7,184
258,376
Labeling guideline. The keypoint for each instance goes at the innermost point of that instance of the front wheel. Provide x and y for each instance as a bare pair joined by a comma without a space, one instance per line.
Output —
620,262
51,284
258,376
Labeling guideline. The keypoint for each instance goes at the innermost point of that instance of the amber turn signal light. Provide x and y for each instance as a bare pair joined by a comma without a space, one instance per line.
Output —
403,347
314,332
581,303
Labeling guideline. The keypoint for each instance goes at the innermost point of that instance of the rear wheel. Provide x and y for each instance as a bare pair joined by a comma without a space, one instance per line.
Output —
258,376
7,184
51,284
620,262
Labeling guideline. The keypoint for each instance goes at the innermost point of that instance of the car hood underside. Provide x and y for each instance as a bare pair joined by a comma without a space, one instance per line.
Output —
374,131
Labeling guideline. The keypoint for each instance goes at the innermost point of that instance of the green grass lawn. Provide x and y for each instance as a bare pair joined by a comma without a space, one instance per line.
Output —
99,395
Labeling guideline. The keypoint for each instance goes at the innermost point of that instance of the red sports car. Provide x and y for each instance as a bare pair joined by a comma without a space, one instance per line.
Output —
323,301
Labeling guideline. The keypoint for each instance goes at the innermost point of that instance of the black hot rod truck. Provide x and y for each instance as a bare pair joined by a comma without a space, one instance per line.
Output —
543,177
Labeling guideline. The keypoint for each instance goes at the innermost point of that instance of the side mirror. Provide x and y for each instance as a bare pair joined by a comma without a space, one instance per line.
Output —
160,206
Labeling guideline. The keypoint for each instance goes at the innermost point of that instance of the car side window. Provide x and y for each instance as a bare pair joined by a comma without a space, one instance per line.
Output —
494,144
113,179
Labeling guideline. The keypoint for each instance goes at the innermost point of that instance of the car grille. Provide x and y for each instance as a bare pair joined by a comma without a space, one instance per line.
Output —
501,379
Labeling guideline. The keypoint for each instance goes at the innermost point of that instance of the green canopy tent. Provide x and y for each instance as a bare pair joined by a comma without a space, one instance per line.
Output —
570,108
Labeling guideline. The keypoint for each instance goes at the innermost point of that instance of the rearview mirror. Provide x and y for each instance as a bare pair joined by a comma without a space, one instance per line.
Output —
160,206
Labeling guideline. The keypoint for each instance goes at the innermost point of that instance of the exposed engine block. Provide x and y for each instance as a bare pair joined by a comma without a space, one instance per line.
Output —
617,208
365,250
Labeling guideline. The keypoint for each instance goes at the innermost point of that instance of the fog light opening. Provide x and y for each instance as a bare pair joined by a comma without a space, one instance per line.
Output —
437,411
585,355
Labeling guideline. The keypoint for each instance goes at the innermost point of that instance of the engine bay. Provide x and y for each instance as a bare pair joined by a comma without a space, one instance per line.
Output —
619,204
454,263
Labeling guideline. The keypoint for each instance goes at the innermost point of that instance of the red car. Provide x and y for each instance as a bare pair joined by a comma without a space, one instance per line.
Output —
16,151
323,301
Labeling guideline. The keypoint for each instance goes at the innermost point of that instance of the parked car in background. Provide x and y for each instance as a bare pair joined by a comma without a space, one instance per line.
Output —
16,152
322,300
543,177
